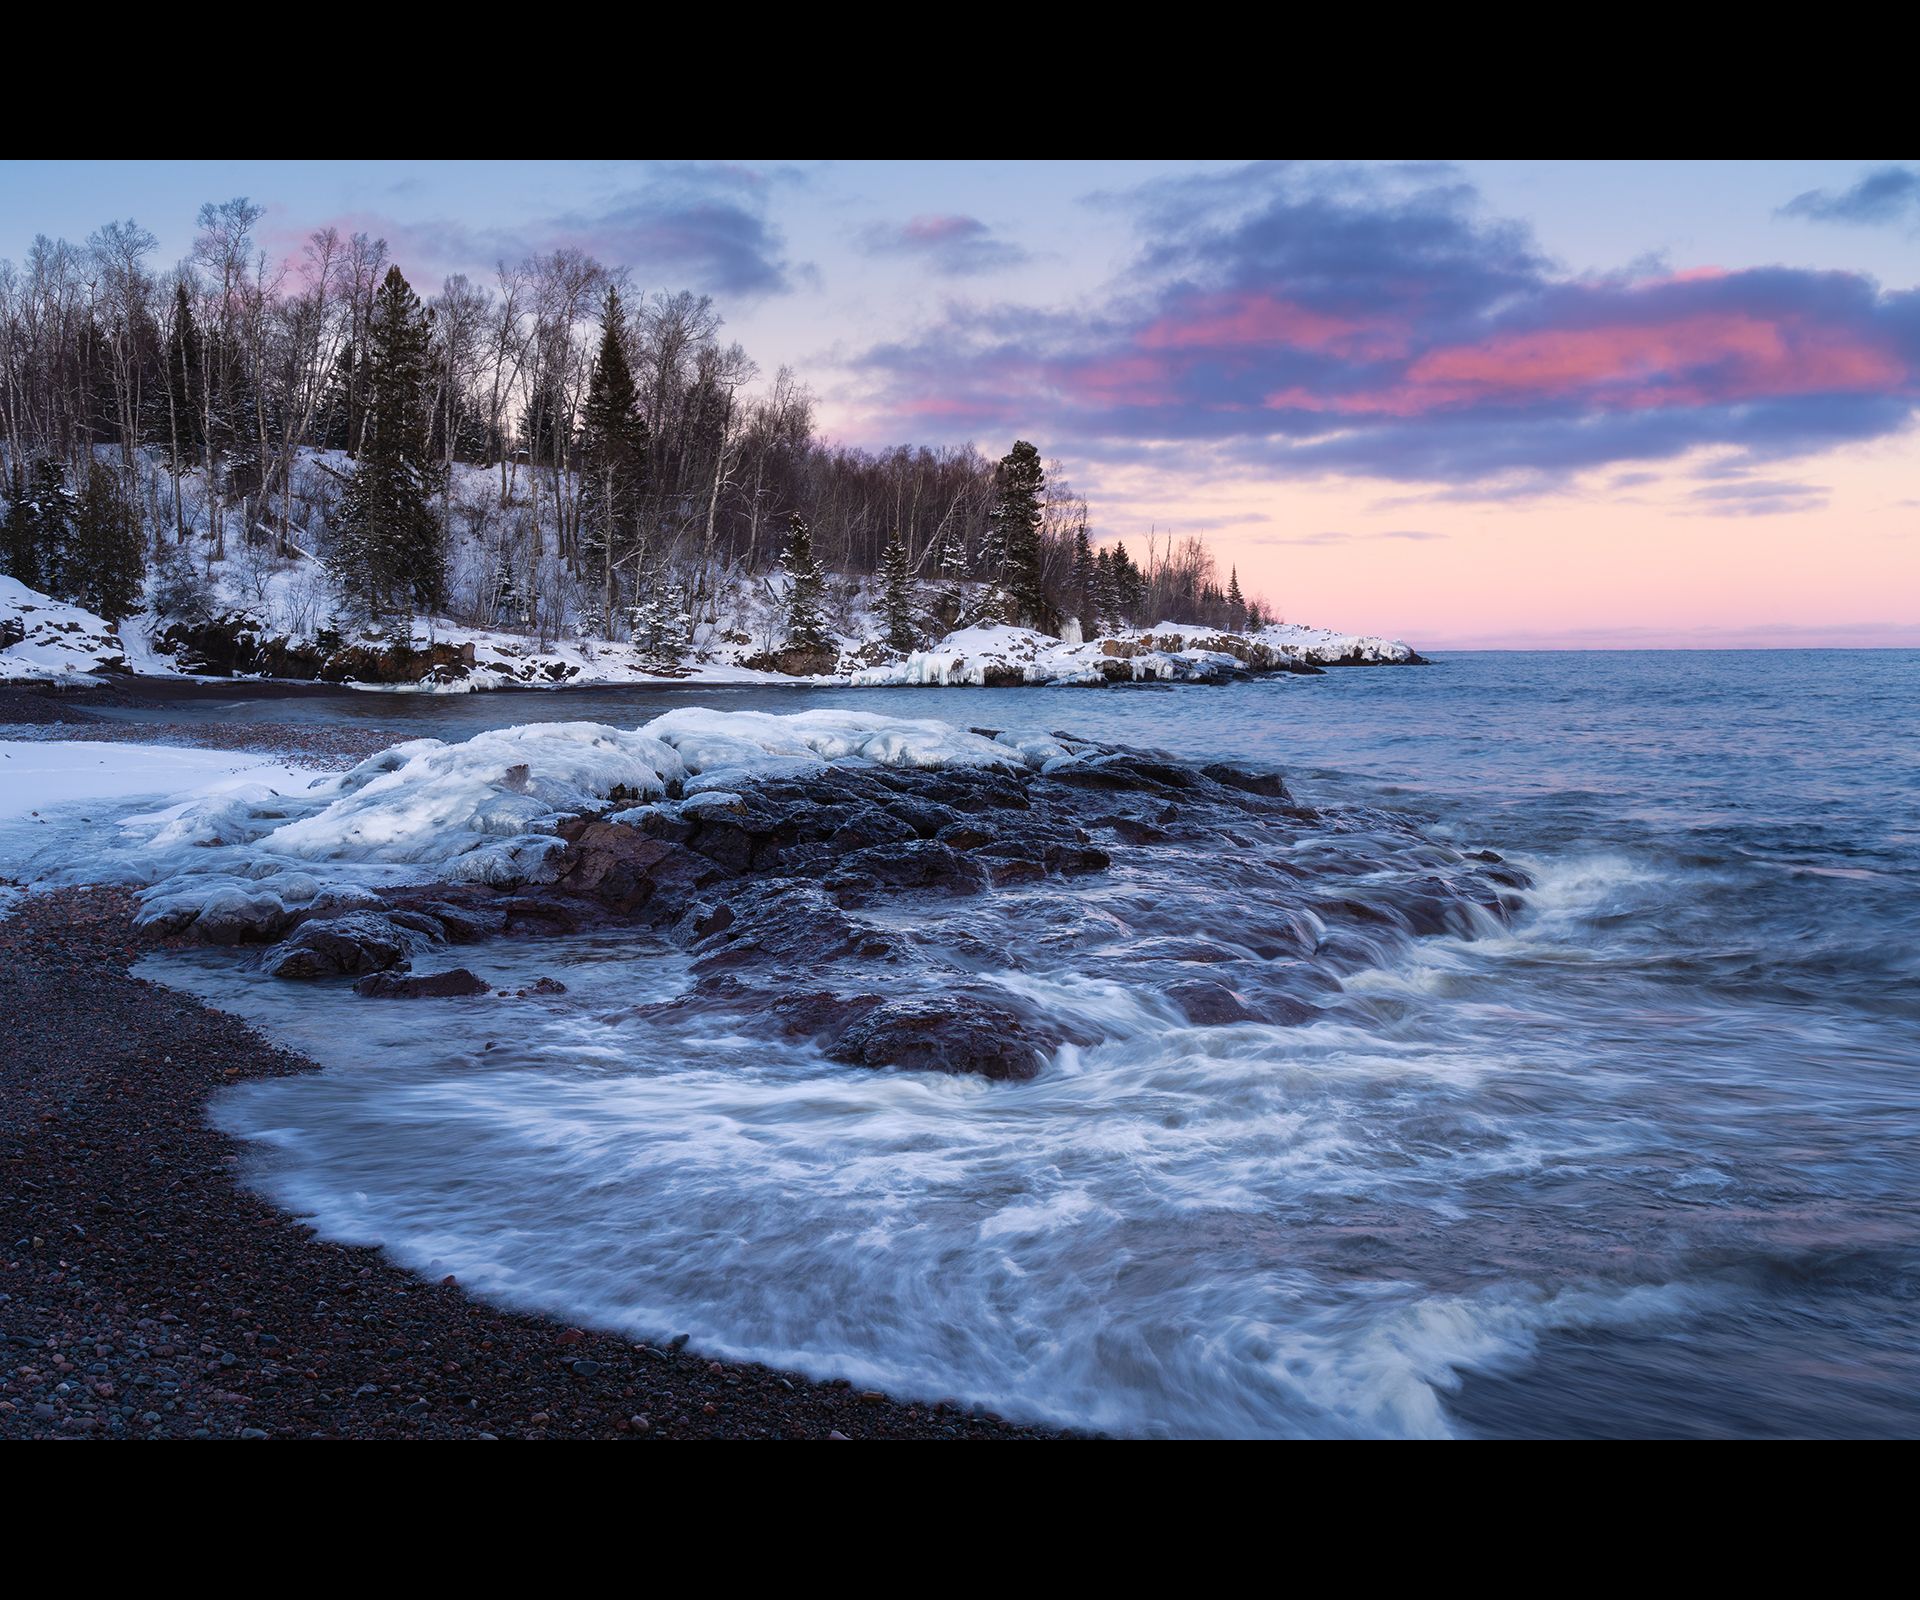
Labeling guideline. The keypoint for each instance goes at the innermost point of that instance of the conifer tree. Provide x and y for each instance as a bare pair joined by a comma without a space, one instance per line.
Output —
1236,606
805,628
389,550
1082,577
105,563
896,594
1014,531
181,392
1129,585
38,536
1105,604
662,627
614,451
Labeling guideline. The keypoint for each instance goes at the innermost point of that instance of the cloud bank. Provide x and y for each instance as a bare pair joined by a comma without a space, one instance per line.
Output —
1377,322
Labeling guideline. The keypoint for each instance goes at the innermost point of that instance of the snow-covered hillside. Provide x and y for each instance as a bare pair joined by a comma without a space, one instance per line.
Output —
268,609
44,641
1171,651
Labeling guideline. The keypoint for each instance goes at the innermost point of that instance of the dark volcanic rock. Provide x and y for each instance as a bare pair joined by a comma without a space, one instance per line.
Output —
915,864
436,986
1270,784
940,1036
329,947
625,870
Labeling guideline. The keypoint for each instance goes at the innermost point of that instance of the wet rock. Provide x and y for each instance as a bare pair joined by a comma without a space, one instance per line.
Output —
1249,780
331,947
783,923
429,927
870,826
235,916
1128,831
965,835
538,914
1071,858
916,864
940,1036
927,818
1210,1004
435,986
625,870
823,1015
463,924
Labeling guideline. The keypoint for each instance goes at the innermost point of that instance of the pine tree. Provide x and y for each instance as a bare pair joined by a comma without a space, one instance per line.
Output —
1082,577
1236,606
896,595
38,538
508,606
1105,605
614,451
1129,585
805,628
181,423
105,560
662,627
1014,531
389,552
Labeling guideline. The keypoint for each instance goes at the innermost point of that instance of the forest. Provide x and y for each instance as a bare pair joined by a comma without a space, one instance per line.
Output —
553,450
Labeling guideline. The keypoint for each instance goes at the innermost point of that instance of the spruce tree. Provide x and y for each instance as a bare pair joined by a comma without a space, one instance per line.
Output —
1236,606
389,552
1129,585
662,627
805,628
896,595
1105,605
1082,577
38,537
614,451
105,561
1014,537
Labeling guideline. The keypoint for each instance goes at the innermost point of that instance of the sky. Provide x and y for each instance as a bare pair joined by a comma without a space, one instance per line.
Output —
1530,404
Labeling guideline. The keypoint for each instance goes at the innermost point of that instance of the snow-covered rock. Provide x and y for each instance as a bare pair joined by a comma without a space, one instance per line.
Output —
45,641
252,857
1172,651
1325,647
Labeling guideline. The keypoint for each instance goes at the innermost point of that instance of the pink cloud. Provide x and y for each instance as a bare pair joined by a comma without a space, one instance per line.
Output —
1232,321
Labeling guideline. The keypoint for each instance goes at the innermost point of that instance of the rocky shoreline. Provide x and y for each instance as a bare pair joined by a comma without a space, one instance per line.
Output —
146,1293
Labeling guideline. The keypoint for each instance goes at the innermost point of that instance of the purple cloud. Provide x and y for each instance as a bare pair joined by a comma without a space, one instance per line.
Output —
1890,195
1304,321
953,246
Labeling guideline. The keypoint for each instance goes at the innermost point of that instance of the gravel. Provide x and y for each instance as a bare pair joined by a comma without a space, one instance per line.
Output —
145,1294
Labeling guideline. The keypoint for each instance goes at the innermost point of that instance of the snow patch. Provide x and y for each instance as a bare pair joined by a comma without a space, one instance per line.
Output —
45,641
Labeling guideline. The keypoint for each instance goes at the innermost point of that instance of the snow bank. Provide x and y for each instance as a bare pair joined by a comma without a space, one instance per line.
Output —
1323,647
44,775
262,841
999,656
726,747
48,641
1170,652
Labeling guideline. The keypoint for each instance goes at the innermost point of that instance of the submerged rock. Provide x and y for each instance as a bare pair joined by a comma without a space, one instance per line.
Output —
435,986
940,1036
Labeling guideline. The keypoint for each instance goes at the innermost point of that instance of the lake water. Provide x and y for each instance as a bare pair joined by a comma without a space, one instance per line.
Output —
1646,1162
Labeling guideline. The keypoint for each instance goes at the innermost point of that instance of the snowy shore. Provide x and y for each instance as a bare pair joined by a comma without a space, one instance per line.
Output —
47,643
